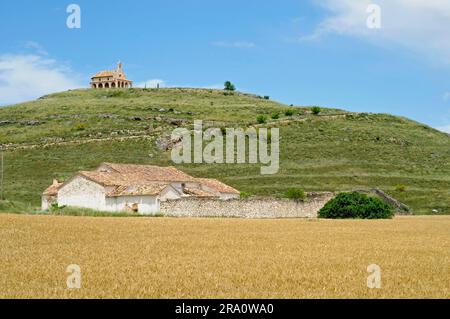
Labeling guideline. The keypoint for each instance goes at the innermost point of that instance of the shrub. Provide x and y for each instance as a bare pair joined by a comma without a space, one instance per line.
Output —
244,195
80,127
275,116
266,97
289,112
229,86
356,205
295,194
261,119
316,110
400,188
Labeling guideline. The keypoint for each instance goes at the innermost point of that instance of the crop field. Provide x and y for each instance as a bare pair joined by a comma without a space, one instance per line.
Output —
223,258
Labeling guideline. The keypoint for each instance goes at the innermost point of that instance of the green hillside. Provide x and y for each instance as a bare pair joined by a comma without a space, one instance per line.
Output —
62,133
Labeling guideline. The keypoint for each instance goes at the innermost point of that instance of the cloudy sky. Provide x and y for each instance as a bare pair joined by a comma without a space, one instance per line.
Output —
314,52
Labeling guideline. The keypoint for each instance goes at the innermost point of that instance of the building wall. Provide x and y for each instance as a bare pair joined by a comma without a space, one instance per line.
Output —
179,185
169,193
146,204
47,201
81,192
222,196
227,196
251,208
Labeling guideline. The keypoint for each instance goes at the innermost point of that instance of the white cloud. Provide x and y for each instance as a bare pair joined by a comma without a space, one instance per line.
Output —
419,25
36,47
29,76
236,44
151,84
445,128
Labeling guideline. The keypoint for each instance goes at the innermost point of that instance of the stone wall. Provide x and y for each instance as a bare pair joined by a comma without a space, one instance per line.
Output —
248,208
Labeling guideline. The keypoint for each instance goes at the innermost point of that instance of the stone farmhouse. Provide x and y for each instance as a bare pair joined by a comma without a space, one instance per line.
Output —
132,188
111,79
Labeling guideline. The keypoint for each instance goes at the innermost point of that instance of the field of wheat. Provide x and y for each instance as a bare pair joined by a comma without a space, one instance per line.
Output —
223,258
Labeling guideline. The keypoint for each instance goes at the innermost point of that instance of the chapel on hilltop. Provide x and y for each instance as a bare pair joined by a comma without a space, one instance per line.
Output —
111,79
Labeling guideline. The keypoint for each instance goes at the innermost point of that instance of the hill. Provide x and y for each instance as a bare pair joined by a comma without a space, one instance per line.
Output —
59,134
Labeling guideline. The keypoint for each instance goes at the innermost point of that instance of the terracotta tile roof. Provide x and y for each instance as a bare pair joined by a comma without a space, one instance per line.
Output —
217,185
151,173
130,179
104,73
110,179
198,192
149,189
114,74
52,190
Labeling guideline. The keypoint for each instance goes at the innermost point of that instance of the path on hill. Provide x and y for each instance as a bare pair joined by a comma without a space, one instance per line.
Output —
15,147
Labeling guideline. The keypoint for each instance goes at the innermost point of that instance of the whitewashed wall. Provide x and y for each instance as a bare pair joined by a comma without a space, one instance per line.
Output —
47,201
169,193
227,196
222,196
179,186
146,204
81,192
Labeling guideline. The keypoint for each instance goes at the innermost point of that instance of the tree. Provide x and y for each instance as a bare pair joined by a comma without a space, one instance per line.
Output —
356,205
229,86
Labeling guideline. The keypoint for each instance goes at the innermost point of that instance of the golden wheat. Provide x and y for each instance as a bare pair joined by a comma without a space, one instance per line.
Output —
223,258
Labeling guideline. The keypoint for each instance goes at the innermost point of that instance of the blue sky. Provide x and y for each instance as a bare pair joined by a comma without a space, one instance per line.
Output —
297,52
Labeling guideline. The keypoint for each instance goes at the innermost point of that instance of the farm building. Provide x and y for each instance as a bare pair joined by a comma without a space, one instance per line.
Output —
133,188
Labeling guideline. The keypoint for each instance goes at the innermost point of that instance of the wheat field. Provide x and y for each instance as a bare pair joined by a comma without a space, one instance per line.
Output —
223,258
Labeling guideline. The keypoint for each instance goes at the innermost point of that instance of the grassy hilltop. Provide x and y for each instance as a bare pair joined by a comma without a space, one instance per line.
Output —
59,134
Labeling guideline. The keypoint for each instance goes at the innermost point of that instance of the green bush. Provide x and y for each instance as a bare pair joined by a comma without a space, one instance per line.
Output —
356,205
244,195
229,86
295,194
275,116
316,110
266,97
289,112
261,119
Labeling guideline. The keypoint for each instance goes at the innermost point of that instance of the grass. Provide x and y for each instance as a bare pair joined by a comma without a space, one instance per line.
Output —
223,258
332,151
8,207
85,212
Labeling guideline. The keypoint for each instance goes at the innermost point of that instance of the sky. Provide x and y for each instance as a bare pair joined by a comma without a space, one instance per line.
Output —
303,52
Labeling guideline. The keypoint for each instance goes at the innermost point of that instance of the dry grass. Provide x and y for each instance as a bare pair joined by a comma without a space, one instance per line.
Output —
229,258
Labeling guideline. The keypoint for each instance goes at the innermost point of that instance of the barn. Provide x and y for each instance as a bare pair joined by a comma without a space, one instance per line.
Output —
133,188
